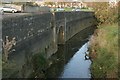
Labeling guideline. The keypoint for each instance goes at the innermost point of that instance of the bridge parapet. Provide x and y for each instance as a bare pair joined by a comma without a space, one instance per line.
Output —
72,23
36,33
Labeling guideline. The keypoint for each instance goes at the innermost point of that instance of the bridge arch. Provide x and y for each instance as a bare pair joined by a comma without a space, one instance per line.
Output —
60,35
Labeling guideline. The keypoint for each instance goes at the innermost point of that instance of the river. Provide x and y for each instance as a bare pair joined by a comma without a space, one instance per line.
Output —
78,66
69,61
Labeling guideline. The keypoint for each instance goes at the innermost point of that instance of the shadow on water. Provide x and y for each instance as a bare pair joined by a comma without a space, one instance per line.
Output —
69,61
78,66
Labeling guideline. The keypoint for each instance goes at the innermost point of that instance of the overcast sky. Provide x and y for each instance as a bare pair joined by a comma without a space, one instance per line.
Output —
56,0
36,0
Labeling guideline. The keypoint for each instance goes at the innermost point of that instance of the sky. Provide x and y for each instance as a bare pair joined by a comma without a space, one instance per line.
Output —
57,0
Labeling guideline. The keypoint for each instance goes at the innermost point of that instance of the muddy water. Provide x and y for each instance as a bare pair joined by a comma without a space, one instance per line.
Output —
69,61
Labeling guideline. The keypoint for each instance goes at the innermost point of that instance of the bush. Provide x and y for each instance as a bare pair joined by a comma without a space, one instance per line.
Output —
39,61
106,14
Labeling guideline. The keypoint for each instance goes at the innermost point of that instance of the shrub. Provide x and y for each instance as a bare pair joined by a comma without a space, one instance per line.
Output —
106,14
39,61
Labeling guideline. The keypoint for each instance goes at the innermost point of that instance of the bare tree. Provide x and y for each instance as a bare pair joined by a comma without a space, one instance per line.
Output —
7,46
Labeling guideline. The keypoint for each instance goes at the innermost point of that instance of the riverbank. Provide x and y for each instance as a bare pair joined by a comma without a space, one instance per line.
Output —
104,52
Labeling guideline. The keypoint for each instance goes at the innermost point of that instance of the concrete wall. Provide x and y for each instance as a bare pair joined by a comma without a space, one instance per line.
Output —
37,33
72,23
35,9
33,33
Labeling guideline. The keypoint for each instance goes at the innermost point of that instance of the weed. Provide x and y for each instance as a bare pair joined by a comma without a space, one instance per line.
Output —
105,45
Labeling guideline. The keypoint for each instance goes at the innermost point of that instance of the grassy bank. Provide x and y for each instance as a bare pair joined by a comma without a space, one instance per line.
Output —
104,42
104,52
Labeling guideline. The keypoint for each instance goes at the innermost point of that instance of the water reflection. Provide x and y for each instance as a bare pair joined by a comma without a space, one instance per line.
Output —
69,61
77,67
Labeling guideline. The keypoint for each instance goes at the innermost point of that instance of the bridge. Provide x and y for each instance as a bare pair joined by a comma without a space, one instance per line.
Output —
35,33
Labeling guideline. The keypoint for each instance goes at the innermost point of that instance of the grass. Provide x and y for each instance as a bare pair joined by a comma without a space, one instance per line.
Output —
86,9
8,69
104,46
70,9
